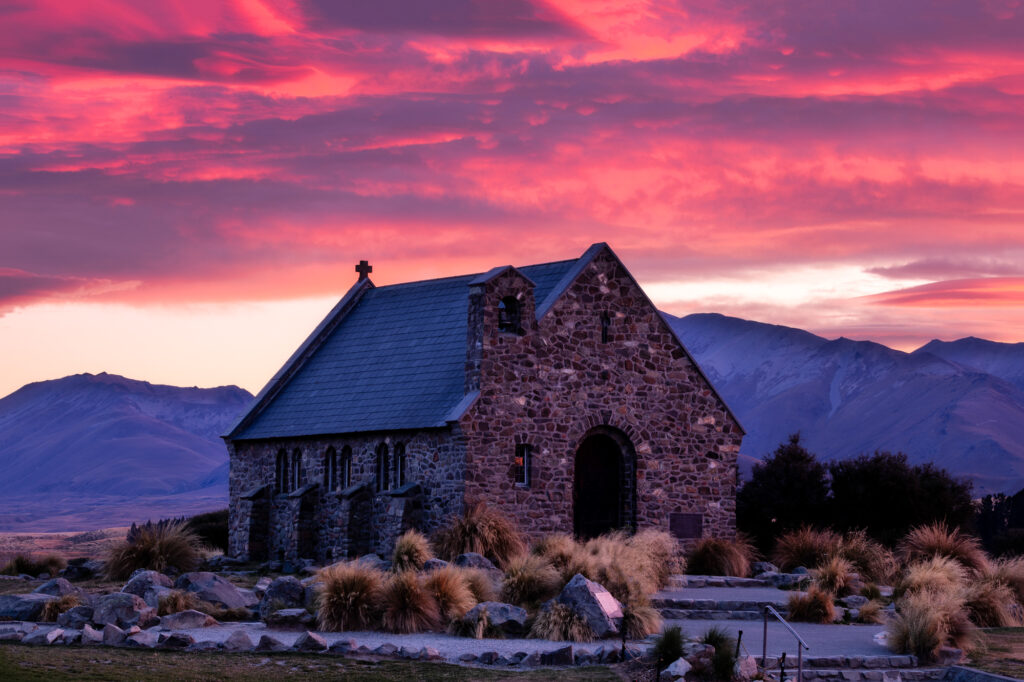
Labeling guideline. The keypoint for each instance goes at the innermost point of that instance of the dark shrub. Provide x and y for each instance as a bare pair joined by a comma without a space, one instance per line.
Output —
211,528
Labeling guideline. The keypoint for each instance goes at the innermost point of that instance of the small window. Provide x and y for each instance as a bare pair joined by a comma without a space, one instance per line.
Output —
345,468
281,473
383,468
296,470
401,469
330,469
606,323
508,315
521,465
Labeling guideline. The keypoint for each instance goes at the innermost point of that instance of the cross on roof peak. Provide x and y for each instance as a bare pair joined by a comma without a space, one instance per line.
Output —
364,269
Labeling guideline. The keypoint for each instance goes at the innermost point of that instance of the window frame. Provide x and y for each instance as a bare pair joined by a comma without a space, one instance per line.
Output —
521,463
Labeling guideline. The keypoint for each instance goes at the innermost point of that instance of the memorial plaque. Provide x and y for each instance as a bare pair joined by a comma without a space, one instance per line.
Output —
686,526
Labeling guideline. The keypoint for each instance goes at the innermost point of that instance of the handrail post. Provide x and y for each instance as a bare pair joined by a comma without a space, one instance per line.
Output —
764,641
799,662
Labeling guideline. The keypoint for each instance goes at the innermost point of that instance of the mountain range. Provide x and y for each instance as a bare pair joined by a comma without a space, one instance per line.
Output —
92,451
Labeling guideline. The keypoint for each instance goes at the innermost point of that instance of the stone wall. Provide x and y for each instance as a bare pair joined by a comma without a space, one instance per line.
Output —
435,460
557,382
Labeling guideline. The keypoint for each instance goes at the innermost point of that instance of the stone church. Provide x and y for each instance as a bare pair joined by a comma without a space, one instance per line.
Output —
556,393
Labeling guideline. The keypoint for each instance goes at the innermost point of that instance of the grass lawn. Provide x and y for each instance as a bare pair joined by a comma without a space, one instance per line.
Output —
1003,653
19,662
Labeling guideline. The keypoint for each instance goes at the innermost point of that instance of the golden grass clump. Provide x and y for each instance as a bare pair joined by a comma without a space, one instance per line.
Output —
871,612
814,606
412,550
55,607
29,565
561,624
559,549
834,575
351,597
936,574
936,539
530,580
1011,572
989,604
660,551
928,620
482,530
450,589
156,547
176,601
807,547
872,561
480,584
408,605
640,619
718,556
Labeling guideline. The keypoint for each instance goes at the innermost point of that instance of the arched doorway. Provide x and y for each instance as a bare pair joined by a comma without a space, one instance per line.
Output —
604,484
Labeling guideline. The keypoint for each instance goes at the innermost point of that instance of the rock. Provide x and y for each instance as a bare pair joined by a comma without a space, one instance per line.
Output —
149,585
11,636
561,656
854,601
176,640
187,620
122,609
206,645
37,638
268,643
343,646
594,603
290,618
262,584
57,587
474,560
763,567
467,657
146,639
284,593
212,588
386,649
311,596
238,641
83,569
676,670
745,668
948,655
310,641
697,649
431,654
72,636
23,606
113,635
800,570
375,561
434,564
91,635
487,658
75,617
508,618
250,597
533,660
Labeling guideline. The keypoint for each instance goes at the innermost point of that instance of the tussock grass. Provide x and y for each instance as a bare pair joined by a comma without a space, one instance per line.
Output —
561,624
989,603
560,550
156,547
718,556
408,605
872,561
450,589
480,584
352,597
807,547
928,620
871,591
661,552
482,530
937,540
871,612
935,574
668,648
640,619
23,563
530,580
412,550
177,601
834,575
478,627
724,659
55,607
814,606
1011,572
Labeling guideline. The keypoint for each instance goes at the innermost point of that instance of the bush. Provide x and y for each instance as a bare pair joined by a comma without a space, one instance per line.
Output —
937,540
481,530
927,621
530,580
871,612
211,528
718,556
412,550
480,584
937,574
351,597
871,592
871,560
559,549
724,659
640,619
176,601
668,648
814,606
24,564
55,607
408,606
807,547
620,568
659,552
560,623
156,547
834,576
450,589
989,604
1011,572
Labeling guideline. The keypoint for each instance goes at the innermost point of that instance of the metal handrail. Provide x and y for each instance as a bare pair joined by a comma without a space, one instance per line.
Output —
801,644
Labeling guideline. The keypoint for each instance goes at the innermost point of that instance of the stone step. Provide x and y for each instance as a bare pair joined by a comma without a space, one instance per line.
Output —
875,675
678,582
699,614
853,662
711,609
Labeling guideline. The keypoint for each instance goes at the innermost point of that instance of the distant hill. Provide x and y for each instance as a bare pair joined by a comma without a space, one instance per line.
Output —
103,450
959,405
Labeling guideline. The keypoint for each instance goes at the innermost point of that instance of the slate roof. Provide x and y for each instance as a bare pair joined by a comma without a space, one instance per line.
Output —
395,361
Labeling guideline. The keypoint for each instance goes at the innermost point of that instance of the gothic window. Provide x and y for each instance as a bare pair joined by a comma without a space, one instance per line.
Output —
508,315
383,468
296,469
281,473
606,323
330,469
345,468
401,469
521,465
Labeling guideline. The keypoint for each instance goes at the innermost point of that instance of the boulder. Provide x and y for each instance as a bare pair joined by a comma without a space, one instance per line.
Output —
83,569
375,561
72,636
284,593
41,636
11,635
262,584
594,603
75,617
250,597
187,620
206,645
146,639
122,609
57,587
310,641
474,560
745,668
854,601
176,640
268,643
311,595
150,585
23,606
113,635
290,618
561,656
91,635
238,641
434,564
508,618
212,588
759,567
676,670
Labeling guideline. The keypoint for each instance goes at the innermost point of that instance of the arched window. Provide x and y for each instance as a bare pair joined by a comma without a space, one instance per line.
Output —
508,315
330,469
345,468
281,473
296,469
401,470
606,323
383,468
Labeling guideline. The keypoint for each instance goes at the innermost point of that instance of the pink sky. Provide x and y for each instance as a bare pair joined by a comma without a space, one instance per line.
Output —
185,186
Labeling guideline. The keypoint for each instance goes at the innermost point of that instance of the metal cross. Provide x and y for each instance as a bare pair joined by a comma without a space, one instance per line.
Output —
364,269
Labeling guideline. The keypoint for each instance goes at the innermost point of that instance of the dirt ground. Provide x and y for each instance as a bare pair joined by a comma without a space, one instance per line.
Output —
1003,653
93,543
